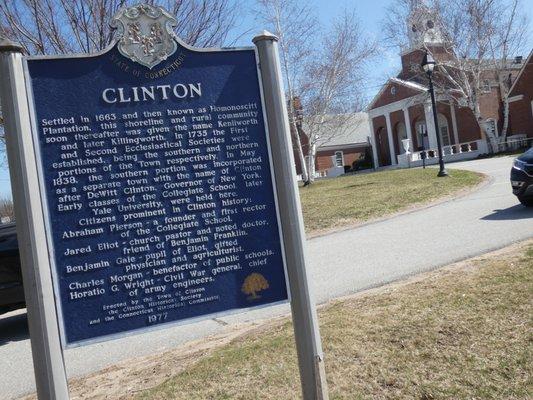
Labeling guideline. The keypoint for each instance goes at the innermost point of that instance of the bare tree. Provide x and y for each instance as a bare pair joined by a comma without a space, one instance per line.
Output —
508,41
72,26
7,212
2,138
295,25
479,36
333,78
322,70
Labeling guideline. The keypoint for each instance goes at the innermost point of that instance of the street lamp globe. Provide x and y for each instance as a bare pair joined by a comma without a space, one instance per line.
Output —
428,63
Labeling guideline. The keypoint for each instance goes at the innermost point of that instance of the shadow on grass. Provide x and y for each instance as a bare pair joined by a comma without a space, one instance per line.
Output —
358,185
511,213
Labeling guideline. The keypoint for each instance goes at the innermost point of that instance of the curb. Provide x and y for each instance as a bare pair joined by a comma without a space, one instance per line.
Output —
487,180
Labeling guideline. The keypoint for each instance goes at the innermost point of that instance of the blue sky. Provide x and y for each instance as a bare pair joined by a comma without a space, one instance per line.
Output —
371,13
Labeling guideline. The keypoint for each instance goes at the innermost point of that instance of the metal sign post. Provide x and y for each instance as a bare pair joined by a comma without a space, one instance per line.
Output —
50,376
307,335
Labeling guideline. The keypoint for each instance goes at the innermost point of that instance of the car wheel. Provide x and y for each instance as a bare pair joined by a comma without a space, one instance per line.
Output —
528,202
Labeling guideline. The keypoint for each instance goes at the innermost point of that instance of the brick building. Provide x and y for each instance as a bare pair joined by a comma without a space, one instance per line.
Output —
400,114
521,101
346,146
342,140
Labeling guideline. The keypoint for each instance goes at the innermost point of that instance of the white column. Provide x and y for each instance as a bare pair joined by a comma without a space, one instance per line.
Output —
454,123
408,128
432,131
373,142
391,141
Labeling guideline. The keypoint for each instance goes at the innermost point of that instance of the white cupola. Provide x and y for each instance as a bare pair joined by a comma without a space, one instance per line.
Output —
423,25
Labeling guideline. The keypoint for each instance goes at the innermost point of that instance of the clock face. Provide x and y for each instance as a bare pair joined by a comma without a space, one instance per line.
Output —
393,90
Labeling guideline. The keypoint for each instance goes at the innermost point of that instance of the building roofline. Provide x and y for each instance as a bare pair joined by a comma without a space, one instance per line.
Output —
520,73
327,147
412,49
410,85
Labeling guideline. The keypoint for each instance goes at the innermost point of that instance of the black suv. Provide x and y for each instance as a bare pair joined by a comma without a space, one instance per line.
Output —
522,178
11,290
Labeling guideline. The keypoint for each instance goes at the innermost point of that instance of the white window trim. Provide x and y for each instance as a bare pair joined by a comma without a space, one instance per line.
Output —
486,86
342,158
515,98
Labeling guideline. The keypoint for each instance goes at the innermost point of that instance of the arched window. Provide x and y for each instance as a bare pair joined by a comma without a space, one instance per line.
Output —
339,159
422,134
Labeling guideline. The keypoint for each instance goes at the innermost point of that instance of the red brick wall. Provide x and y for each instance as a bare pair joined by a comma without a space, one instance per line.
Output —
491,106
525,83
323,159
466,125
402,92
520,112
521,117
415,57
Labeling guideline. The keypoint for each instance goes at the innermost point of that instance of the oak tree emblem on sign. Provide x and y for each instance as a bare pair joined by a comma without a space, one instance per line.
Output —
254,283
145,34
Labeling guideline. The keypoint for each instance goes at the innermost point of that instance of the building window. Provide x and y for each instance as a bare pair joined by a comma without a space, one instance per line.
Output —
339,159
401,133
485,87
422,134
444,130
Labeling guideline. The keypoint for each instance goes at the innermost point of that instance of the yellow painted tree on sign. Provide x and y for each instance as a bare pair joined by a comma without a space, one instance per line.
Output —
254,283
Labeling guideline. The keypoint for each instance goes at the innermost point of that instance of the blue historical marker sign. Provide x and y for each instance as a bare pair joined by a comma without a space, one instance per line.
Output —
156,172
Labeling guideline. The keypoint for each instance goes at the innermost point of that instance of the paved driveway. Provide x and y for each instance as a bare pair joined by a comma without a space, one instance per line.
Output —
341,263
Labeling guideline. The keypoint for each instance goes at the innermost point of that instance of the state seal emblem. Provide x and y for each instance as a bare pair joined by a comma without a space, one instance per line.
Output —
145,34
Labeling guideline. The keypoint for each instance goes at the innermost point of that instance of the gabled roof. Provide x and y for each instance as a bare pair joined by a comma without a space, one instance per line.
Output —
408,84
529,59
353,129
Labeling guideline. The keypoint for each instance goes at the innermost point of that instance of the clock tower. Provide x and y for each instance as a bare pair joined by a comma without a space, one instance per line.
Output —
424,32
424,28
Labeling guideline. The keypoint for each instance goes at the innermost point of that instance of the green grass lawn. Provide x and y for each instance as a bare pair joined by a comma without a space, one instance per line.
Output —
332,203
464,332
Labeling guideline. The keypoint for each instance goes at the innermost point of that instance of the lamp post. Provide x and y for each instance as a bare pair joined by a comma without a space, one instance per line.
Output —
428,65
